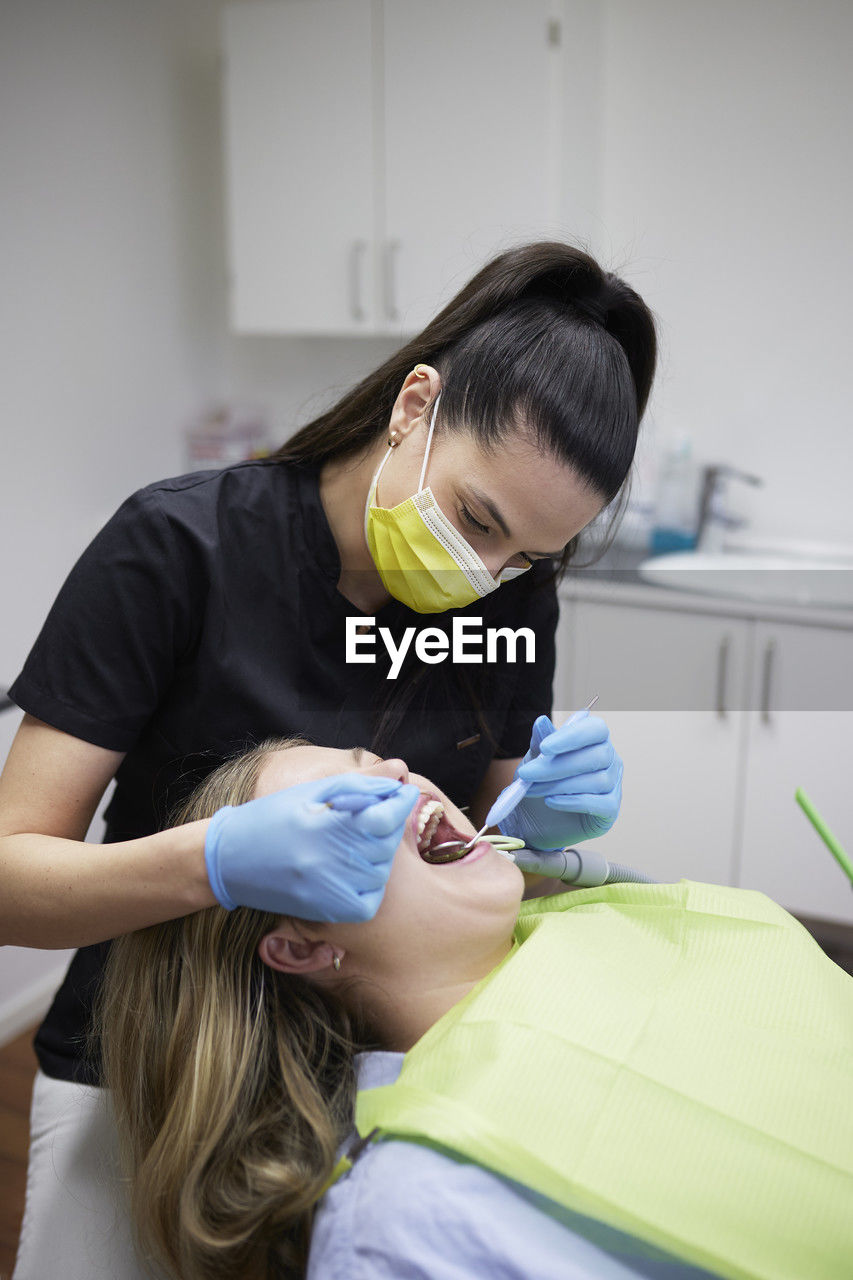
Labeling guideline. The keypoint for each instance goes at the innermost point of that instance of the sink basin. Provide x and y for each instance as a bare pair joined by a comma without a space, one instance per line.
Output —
822,582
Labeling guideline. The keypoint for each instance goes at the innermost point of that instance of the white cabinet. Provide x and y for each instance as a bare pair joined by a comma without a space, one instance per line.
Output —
379,151
471,161
671,688
796,740
719,719
301,210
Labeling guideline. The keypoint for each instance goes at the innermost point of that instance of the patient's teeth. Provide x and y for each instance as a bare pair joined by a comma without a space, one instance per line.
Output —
431,807
428,820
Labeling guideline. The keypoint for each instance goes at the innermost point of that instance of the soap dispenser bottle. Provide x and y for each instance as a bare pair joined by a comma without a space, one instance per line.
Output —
676,506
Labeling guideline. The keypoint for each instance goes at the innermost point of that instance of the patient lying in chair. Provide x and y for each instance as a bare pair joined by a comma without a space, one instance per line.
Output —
631,1080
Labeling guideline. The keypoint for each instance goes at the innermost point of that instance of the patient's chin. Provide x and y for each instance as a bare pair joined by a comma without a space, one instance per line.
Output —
546,887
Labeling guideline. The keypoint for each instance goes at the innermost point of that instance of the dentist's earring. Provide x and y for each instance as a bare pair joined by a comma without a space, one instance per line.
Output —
393,441
421,371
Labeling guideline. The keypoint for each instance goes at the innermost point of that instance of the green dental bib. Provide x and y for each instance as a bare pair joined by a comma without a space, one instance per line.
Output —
673,1060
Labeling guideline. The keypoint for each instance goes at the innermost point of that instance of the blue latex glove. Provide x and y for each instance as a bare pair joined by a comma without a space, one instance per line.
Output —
289,853
576,785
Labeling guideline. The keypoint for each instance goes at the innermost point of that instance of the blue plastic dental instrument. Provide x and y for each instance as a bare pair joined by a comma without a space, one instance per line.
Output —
512,795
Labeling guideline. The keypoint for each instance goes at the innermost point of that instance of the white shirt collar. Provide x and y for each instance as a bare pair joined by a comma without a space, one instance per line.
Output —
377,1068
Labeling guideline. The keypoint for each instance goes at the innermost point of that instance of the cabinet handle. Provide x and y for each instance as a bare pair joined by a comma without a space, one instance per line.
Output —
391,250
722,675
356,257
767,680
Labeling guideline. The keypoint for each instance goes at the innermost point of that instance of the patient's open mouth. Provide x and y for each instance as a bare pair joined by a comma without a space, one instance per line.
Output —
433,829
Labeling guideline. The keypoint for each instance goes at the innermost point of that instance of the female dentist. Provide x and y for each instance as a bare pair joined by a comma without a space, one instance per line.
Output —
217,609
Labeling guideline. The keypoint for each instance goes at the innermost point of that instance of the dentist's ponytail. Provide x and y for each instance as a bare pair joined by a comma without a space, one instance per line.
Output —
541,333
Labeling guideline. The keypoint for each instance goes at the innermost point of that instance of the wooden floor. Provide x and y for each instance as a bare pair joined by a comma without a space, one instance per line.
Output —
17,1068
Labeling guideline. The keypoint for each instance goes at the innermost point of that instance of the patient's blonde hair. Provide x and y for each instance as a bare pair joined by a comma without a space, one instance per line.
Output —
232,1084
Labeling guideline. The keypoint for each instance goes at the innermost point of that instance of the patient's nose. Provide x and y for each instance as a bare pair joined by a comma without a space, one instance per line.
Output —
393,768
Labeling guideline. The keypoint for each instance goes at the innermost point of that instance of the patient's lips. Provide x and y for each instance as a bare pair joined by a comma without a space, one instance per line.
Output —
433,828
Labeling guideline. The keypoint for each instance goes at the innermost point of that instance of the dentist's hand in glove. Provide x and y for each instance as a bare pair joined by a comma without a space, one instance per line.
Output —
576,784
288,852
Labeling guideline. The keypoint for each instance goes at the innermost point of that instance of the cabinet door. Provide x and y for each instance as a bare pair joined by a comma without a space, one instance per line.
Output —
671,687
300,158
472,109
800,731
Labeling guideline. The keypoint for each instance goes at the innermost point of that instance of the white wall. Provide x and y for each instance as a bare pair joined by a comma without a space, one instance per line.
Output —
728,190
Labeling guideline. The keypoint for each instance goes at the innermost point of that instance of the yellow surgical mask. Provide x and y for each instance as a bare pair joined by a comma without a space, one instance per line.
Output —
422,558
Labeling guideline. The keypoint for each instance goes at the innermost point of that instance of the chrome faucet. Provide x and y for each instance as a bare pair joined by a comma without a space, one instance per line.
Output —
714,516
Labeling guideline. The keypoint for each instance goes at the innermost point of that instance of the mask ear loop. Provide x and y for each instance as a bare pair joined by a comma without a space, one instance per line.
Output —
428,443
391,447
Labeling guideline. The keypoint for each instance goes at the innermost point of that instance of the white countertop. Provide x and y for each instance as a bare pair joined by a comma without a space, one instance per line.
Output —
626,587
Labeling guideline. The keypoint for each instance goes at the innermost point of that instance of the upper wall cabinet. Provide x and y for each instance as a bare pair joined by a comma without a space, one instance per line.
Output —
379,151
300,149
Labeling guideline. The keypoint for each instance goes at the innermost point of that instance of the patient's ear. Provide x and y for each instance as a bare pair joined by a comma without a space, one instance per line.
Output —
290,951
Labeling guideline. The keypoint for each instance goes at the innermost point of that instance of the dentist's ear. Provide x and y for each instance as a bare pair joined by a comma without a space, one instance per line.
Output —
420,389
289,951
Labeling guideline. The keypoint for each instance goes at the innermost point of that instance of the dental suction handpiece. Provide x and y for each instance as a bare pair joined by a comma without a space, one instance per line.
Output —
582,868
513,795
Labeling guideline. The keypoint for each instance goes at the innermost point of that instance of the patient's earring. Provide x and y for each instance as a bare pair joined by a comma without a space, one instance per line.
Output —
336,964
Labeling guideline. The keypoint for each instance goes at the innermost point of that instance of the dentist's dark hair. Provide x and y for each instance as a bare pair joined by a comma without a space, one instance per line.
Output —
542,335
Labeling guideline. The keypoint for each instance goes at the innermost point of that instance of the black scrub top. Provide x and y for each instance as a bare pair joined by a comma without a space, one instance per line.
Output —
205,618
